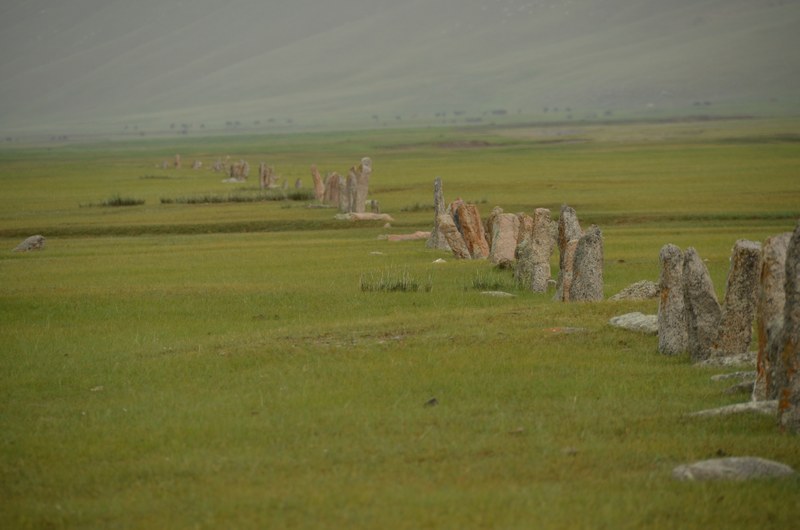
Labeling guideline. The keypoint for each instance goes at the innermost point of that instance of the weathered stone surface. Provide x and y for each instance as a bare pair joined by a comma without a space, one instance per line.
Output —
364,216
498,294
298,184
319,186
672,331
177,161
569,229
453,237
636,321
747,358
505,228
489,225
362,174
703,312
351,191
747,375
738,312
31,243
534,251
769,313
762,407
566,275
197,164
344,195
525,228
587,280
331,194
437,239
408,237
641,290
788,382
732,468
469,221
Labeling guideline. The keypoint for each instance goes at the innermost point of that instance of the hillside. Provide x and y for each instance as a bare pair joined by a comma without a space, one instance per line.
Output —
172,64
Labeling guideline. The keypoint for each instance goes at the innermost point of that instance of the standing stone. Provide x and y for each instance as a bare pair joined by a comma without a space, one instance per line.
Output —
533,253
262,175
769,311
789,383
569,229
469,222
587,280
298,184
741,291
437,239
31,243
319,187
363,173
332,191
489,225
197,164
525,228
672,333
177,161
453,237
505,228
352,194
374,206
567,274
344,197
703,312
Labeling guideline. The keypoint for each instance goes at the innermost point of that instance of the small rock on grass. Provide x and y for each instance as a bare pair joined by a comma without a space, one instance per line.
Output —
636,322
732,468
498,294
763,407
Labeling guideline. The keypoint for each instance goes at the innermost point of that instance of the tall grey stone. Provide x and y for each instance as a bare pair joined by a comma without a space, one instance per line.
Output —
453,237
703,312
741,292
437,239
332,191
362,174
769,313
352,193
672,334
569,229
789,382
587,280
534,251
505,228
344,195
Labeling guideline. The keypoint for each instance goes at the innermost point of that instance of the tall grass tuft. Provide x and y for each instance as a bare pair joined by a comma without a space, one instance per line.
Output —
116,200
491,280
261,196
393,280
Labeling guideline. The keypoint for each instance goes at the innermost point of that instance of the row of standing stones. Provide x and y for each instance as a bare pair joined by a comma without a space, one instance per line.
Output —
524,243
763,285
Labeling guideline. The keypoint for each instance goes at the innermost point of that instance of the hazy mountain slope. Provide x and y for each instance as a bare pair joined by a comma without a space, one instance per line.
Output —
109,62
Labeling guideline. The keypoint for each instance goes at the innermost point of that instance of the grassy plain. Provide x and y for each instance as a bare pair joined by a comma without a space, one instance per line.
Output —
217,365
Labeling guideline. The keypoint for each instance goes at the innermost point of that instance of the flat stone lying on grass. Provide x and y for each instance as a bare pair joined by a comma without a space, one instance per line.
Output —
498,294
636,321
769,408
408,237
748,358
740,388
642,290
364,216
743,375
32,243
732,468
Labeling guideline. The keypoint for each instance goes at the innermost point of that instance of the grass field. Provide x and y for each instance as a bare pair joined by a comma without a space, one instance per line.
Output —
218,365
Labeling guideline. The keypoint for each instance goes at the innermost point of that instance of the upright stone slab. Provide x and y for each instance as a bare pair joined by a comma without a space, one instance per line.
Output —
319,187
350,191
344,196
569,229
298,184
437,239
489,226
362,174
525,228
332,190
703,312
505,228
177,161
587,280
741,292
469,222
672,333
789,383
453,237
533,265
769,313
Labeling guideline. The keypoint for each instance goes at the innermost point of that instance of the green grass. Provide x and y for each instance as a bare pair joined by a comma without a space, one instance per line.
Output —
221,365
